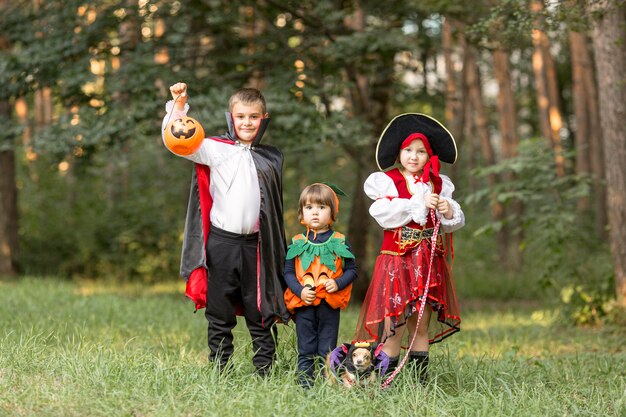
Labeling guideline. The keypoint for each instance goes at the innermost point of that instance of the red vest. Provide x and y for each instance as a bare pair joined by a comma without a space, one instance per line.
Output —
391,238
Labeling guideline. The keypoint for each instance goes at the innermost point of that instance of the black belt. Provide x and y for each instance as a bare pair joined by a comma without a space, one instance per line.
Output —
408,234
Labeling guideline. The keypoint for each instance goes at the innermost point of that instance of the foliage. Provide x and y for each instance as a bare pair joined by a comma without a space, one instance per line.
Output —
120,350
108,86
507,24
100,196
476,268
587,305
80,223
554,229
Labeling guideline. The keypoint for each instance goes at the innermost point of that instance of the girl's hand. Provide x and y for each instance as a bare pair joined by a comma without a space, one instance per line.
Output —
307,295
431,200
444,208
331,286
179,94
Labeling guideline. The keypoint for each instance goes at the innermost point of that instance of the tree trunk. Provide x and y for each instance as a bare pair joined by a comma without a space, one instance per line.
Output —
489,156
609,36
21,111
8,189
8,204
550,117
118,167
252,29
480,113
358,231
423,54
580,100
43,107
588,132
367,97
455,89
506,104
507,110
471,148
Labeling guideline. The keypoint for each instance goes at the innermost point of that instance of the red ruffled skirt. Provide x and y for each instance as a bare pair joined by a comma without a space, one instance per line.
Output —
396,291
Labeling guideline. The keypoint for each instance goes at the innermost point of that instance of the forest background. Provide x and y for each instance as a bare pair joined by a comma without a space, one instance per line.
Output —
93,319
532,91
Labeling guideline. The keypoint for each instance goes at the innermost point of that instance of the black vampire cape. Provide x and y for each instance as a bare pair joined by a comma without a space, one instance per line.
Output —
271,249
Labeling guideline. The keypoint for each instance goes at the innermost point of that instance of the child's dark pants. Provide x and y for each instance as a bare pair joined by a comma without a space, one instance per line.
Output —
232,264
317,329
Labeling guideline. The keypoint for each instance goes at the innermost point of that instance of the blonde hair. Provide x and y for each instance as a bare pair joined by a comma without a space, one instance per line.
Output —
318,194
248,96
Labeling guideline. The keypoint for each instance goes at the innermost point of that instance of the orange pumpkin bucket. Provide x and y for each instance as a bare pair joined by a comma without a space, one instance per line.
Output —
183,135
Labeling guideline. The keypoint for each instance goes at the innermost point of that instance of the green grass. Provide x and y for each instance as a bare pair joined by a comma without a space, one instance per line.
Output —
85,349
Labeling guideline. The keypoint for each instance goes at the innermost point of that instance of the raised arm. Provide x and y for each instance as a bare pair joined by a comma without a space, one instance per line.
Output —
177,108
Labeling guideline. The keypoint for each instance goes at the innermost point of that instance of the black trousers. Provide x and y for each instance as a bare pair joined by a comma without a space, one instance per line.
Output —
317,329
232,264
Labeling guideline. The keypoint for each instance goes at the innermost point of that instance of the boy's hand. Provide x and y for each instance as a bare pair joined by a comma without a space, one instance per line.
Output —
331,286
431,200
307,295
179,94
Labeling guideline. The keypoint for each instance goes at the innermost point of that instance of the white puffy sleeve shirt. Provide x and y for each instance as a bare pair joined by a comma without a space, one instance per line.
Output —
390,211
234,180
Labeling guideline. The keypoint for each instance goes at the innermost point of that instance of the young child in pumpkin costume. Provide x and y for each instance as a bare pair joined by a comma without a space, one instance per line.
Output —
319,271
408,202
234,244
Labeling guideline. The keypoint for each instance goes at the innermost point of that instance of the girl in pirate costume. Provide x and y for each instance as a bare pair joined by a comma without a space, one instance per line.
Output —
319,271
411,203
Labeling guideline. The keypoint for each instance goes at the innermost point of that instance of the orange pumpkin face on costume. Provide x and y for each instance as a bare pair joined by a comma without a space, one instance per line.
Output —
316,275
183,135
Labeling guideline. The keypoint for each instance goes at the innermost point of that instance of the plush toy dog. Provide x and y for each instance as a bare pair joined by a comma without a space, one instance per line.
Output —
354,365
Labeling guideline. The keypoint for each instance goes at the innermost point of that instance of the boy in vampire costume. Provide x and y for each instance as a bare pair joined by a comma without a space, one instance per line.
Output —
234,244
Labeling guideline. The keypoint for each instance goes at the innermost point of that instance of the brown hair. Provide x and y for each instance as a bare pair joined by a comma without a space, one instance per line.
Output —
318,194
247,96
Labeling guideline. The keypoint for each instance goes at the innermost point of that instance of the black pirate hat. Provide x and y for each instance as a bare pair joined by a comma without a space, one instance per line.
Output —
398,129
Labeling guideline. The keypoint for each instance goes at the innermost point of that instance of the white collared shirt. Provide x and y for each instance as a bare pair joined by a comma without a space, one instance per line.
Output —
234,184
391,211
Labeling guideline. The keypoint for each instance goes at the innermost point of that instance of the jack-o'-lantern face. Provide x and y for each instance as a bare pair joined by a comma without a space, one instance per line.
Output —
183,128
316,274
184,135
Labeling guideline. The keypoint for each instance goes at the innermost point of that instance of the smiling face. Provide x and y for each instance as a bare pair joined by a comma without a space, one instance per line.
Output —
316,215
247,120
414,157
183,128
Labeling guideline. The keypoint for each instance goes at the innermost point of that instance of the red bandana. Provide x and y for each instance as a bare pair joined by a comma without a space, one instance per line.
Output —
433,162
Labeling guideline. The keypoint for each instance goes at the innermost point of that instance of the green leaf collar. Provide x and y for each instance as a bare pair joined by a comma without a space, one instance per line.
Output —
328,251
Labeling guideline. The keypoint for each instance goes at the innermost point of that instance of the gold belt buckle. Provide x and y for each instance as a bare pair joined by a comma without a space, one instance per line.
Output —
409,235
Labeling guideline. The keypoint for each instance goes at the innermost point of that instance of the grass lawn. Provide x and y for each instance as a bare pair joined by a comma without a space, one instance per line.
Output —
84,349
